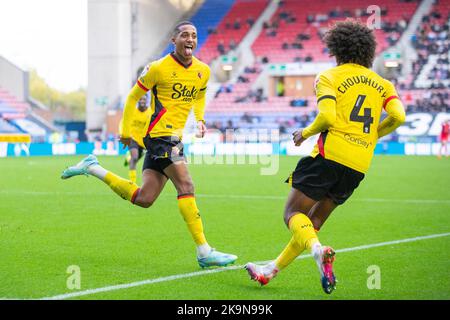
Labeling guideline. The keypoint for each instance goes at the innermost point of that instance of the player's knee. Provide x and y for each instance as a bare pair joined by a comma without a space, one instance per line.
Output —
186,186
145,200
133,163
147,204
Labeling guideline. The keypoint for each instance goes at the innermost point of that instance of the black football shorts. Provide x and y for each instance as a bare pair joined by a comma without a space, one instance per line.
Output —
135,145
162,152
318,178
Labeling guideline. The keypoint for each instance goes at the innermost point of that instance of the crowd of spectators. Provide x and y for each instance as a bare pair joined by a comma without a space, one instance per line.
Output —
286,125
222,49
224,88
432,38
252,96
441,71
431,101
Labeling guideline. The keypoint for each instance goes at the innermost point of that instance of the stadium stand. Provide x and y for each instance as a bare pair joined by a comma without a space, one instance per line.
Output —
232,29
430,101
293,34
295,31
16,117
207,17
432,66
9,104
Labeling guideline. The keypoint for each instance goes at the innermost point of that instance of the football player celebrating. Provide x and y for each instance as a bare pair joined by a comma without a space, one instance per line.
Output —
177,83
350,99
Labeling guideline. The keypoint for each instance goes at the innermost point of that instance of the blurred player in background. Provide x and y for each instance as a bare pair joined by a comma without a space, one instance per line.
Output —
178,84
444,138
350,98
136,147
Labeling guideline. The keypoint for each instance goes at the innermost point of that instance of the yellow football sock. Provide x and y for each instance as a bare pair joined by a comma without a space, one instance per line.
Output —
132,175
124,188
290,252
303,231
190,213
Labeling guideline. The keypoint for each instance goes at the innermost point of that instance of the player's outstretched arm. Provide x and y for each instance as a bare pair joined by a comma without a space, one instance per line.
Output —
130,106
200,104
324,120
396,117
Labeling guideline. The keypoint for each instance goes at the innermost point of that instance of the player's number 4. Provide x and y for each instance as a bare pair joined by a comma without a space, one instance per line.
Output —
366,119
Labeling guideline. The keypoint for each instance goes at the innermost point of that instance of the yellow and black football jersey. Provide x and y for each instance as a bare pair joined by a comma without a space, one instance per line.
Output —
357,96
175,90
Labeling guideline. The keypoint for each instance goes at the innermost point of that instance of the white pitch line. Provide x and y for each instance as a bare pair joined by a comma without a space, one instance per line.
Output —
205,272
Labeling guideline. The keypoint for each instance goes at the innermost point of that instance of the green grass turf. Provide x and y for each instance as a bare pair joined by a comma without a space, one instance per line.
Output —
47,224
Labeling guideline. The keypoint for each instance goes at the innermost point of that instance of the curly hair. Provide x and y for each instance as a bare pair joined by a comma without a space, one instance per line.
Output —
351,41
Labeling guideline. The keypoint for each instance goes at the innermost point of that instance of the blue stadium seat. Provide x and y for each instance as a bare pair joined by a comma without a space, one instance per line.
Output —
208,15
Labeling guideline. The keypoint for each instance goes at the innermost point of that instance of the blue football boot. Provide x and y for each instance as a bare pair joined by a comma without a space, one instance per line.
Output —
80,168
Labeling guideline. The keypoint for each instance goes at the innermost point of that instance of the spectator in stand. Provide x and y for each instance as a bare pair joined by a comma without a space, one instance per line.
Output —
303,36
275,24
246,118
230,125
259,96
237,24
228,88
242,79
271,32
217,125
346,14
320,17
283,15
335,13
221,47
250,70
232,45
212,30
297,45
250,21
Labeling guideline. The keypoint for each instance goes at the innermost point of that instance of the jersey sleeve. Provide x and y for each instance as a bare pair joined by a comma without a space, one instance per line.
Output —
129,110
391,95
395,110
145,82
148,77
200,103
326,103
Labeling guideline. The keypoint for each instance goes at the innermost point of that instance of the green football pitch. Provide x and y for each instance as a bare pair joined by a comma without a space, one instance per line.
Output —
392,236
